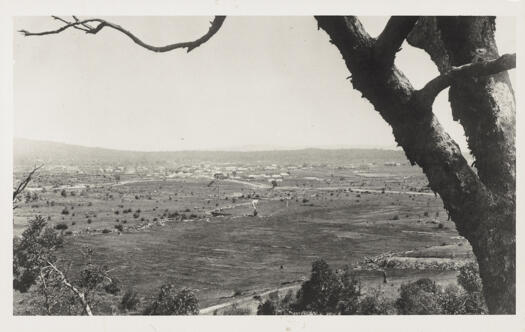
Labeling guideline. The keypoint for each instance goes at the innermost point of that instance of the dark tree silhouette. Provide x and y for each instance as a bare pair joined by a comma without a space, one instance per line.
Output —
480,201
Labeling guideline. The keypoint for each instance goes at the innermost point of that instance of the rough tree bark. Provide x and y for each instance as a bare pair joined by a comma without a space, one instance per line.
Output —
480,201
482,205
485,107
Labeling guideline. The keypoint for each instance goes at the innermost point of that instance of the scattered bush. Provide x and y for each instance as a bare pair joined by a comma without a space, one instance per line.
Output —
61,226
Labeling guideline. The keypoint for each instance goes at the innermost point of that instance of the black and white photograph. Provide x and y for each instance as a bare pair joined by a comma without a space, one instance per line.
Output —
264,165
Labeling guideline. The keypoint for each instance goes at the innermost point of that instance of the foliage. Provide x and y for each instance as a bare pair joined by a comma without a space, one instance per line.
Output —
235,310
425,297
326,292
320,294
469,278
419,298
375,304
266,308
169,301
129,300
470,281
35,263
32,251
452,301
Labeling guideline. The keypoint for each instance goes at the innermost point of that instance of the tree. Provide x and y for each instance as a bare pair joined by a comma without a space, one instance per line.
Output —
35,263
328,292
480,201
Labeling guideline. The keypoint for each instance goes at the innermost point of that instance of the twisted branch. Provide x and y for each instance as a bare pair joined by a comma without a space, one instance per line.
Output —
84,26
430,91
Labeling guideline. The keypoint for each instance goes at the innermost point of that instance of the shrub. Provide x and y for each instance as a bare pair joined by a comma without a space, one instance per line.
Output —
396,217
105,231
169,301
129,300
119,227
112,286
469,278
266,308
61,226
234,310
420,297
63,193
65,211
375,304
452,301
470,281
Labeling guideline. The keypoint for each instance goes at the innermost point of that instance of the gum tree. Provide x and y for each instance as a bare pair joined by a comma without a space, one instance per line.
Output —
480,198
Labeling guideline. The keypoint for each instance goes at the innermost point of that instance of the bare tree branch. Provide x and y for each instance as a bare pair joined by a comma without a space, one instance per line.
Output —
394,34
75,290
84,25
429,92
81,27
23,184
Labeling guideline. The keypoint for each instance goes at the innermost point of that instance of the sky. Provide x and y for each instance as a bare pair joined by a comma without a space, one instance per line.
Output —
260,82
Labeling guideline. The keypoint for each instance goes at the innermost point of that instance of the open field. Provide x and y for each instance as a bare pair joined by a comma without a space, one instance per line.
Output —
152,229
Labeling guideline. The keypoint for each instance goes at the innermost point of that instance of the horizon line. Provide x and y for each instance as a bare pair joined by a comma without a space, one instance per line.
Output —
242,148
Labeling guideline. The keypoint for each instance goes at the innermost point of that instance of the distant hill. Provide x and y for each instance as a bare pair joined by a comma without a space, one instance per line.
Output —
29,152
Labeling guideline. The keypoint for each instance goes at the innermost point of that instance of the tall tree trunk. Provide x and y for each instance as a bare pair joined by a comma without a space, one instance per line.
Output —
482,215
486,109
